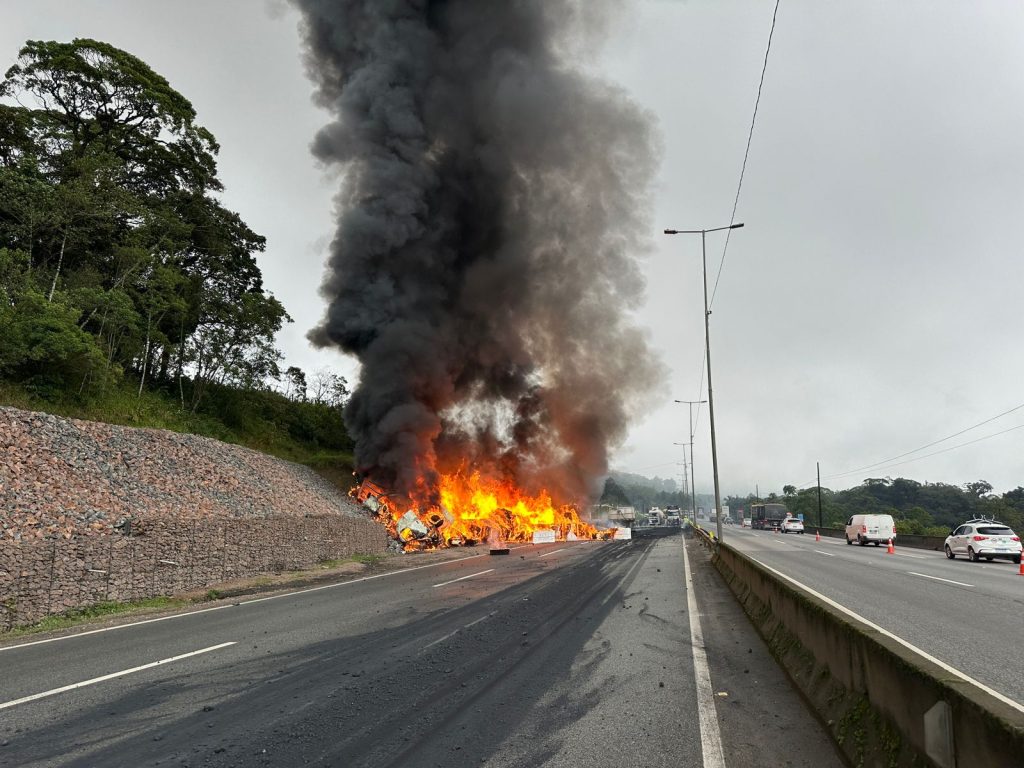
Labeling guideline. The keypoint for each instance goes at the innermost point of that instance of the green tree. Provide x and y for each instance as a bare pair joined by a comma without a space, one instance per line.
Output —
106,183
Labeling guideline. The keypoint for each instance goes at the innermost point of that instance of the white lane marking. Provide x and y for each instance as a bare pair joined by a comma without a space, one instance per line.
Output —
826,554
477,621
440,639
916,557
111,676
957,673
463,578
710,737
554,552
456,631
939,578
243,603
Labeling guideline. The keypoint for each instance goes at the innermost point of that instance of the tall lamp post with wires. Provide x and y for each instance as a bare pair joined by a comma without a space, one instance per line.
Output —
693,483
707,348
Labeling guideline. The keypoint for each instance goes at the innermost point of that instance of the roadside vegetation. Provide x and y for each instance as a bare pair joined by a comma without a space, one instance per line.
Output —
931,509
128,293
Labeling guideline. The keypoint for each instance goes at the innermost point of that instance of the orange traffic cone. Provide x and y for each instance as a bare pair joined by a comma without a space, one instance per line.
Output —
817,536
1022,567
892,549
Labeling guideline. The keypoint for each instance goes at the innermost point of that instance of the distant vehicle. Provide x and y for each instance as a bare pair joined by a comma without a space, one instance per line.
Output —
625,514
792,525
653,520
746,522
983,538
767,517
870,529
672,514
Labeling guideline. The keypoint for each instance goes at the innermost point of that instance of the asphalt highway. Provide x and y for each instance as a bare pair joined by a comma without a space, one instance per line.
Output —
558,655
967,615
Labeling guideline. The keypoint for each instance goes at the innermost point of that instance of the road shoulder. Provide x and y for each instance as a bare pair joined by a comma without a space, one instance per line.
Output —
763,719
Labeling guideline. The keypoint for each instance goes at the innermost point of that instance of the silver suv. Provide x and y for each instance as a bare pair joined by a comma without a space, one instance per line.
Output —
982,538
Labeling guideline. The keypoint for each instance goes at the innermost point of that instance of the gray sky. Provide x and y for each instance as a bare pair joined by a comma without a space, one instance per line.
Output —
870,306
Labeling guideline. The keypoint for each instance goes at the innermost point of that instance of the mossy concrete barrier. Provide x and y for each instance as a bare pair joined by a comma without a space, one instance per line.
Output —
884,703
912,540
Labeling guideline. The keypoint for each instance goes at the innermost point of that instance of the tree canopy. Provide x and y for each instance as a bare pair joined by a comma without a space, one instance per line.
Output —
116,256
925,508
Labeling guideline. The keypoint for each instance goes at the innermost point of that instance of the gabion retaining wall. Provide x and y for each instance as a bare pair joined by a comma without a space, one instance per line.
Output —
42,577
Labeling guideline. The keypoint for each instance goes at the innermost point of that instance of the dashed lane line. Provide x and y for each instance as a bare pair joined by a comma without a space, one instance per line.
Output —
463,578
553,552
111,676
939,578
242,603
456,631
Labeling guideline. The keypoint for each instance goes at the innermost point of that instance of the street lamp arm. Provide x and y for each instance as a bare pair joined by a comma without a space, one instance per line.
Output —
701,231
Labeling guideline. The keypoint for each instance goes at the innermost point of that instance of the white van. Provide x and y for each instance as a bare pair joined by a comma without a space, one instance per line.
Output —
875,529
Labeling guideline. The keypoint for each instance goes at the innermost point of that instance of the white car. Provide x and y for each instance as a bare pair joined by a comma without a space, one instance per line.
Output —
987,539
792,525
746,522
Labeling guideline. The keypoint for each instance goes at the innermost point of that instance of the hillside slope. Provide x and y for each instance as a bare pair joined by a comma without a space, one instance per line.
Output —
67,478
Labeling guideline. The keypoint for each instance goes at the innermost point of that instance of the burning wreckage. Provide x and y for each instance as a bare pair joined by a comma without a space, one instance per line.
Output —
473,510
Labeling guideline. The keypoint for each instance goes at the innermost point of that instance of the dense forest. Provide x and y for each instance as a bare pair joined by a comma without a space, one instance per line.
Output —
128,291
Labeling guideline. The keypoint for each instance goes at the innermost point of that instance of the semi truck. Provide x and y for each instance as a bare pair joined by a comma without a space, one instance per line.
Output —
767,517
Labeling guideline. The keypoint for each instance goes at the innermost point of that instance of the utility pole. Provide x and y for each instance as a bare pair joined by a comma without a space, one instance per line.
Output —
693,483
818,464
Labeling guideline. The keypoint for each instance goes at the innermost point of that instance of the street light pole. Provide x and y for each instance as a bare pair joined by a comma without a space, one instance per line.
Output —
684,477
707,348
693,484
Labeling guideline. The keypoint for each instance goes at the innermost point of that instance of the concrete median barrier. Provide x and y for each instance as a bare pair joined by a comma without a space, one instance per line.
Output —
884,702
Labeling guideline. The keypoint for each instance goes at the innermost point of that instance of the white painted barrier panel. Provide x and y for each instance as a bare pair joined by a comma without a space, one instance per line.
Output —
544,537
621,534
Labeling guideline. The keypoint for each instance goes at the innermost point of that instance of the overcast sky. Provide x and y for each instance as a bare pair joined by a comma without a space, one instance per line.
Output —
870,306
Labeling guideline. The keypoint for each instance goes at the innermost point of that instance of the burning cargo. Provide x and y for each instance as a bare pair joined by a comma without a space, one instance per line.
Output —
472,509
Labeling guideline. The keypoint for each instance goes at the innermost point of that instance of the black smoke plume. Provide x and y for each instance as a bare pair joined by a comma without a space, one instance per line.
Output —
490,217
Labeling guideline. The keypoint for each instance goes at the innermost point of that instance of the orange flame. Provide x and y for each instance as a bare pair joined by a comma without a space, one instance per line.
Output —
473,509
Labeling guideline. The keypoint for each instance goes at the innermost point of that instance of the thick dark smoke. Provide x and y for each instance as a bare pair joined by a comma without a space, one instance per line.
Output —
491,215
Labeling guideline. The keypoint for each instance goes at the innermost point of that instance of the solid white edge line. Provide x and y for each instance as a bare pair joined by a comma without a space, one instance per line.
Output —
463,578
553,552
239,604
111,676
939,578
955,672
710,736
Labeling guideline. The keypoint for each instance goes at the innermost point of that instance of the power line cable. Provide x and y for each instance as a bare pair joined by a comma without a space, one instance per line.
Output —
888,461
746,154
954,447
935,442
